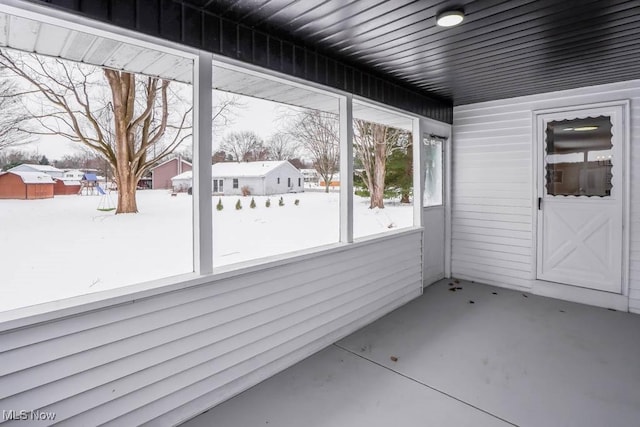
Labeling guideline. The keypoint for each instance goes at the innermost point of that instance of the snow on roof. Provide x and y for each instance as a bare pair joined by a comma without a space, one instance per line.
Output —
239,170
183,175
40,168
33,177
245,169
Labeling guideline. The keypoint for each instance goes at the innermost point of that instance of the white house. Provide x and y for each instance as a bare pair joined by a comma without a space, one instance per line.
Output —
52,171
73,174
257,178
310,175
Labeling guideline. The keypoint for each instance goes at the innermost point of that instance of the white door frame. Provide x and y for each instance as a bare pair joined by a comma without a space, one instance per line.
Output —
427,127
568,292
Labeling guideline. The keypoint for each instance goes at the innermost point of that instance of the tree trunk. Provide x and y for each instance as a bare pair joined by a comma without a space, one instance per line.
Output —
379,167
123,93
127,185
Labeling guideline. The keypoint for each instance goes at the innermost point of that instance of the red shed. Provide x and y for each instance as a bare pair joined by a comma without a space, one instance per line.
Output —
64,187
161,175
25,185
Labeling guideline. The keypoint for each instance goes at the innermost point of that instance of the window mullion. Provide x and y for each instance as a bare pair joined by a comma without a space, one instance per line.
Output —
346,169
202,140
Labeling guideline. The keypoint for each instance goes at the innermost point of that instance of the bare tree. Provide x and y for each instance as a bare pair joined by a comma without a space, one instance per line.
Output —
317,131
373,143
14,116
12,158
282,146
133,122
244,146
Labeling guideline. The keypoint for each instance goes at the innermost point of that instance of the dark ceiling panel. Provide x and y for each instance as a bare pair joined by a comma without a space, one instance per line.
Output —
502,49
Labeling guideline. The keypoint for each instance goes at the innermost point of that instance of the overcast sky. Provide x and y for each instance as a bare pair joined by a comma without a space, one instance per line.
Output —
254,114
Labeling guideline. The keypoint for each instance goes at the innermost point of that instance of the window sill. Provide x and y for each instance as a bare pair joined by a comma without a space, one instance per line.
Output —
82,304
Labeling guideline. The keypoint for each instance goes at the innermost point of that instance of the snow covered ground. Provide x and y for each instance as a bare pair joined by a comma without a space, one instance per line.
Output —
57,248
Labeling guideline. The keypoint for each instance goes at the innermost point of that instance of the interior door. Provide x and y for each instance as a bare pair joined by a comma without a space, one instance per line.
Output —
580,198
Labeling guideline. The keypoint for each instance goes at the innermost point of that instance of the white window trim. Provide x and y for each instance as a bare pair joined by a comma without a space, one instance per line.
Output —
202,184
204,273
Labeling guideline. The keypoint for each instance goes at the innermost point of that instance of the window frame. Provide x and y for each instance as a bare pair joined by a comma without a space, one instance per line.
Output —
235,184
202,178
442,142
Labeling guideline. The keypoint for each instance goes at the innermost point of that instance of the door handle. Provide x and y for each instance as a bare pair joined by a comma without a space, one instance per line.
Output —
539,203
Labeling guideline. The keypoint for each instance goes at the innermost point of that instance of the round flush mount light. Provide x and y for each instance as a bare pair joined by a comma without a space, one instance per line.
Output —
449,18
581,129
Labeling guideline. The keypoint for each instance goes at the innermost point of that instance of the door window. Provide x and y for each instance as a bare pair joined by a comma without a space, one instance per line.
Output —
578,157
433,171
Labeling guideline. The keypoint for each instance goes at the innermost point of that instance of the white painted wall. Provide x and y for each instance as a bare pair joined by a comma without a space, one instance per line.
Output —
269,184
255,184
284,172
165,358
492,216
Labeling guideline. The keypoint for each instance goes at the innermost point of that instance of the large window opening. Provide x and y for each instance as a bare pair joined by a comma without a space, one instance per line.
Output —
98,190
97,130
279,133
383,170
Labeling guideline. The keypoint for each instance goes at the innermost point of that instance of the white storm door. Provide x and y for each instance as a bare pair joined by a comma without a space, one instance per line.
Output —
580,198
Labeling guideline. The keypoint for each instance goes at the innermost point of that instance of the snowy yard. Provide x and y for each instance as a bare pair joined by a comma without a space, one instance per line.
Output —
62,247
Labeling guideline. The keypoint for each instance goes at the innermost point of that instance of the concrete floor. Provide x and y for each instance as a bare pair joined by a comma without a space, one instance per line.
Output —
479,356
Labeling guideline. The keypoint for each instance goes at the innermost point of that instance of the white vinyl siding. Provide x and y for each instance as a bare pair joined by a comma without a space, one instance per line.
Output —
491,196
165,358
492,215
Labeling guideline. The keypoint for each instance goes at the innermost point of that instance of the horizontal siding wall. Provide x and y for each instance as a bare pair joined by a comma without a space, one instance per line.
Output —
166,358
491,195
492,221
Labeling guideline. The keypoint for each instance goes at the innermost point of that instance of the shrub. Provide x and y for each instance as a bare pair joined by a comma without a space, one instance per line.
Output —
246,191
252,205
238,205
268,203
281,202
219,205
296,202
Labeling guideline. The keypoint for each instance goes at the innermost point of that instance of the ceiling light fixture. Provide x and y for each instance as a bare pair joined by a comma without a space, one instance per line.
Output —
581,129
449,18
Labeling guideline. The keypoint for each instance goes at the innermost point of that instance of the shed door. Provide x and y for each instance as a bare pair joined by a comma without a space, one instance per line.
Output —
580,198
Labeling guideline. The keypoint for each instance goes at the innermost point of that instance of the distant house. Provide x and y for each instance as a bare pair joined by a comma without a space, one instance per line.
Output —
161,175
53,172
65,187
259,178
73,174
25,185
310,175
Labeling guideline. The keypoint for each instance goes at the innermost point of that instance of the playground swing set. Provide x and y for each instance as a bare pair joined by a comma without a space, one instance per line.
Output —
89,187
106,202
